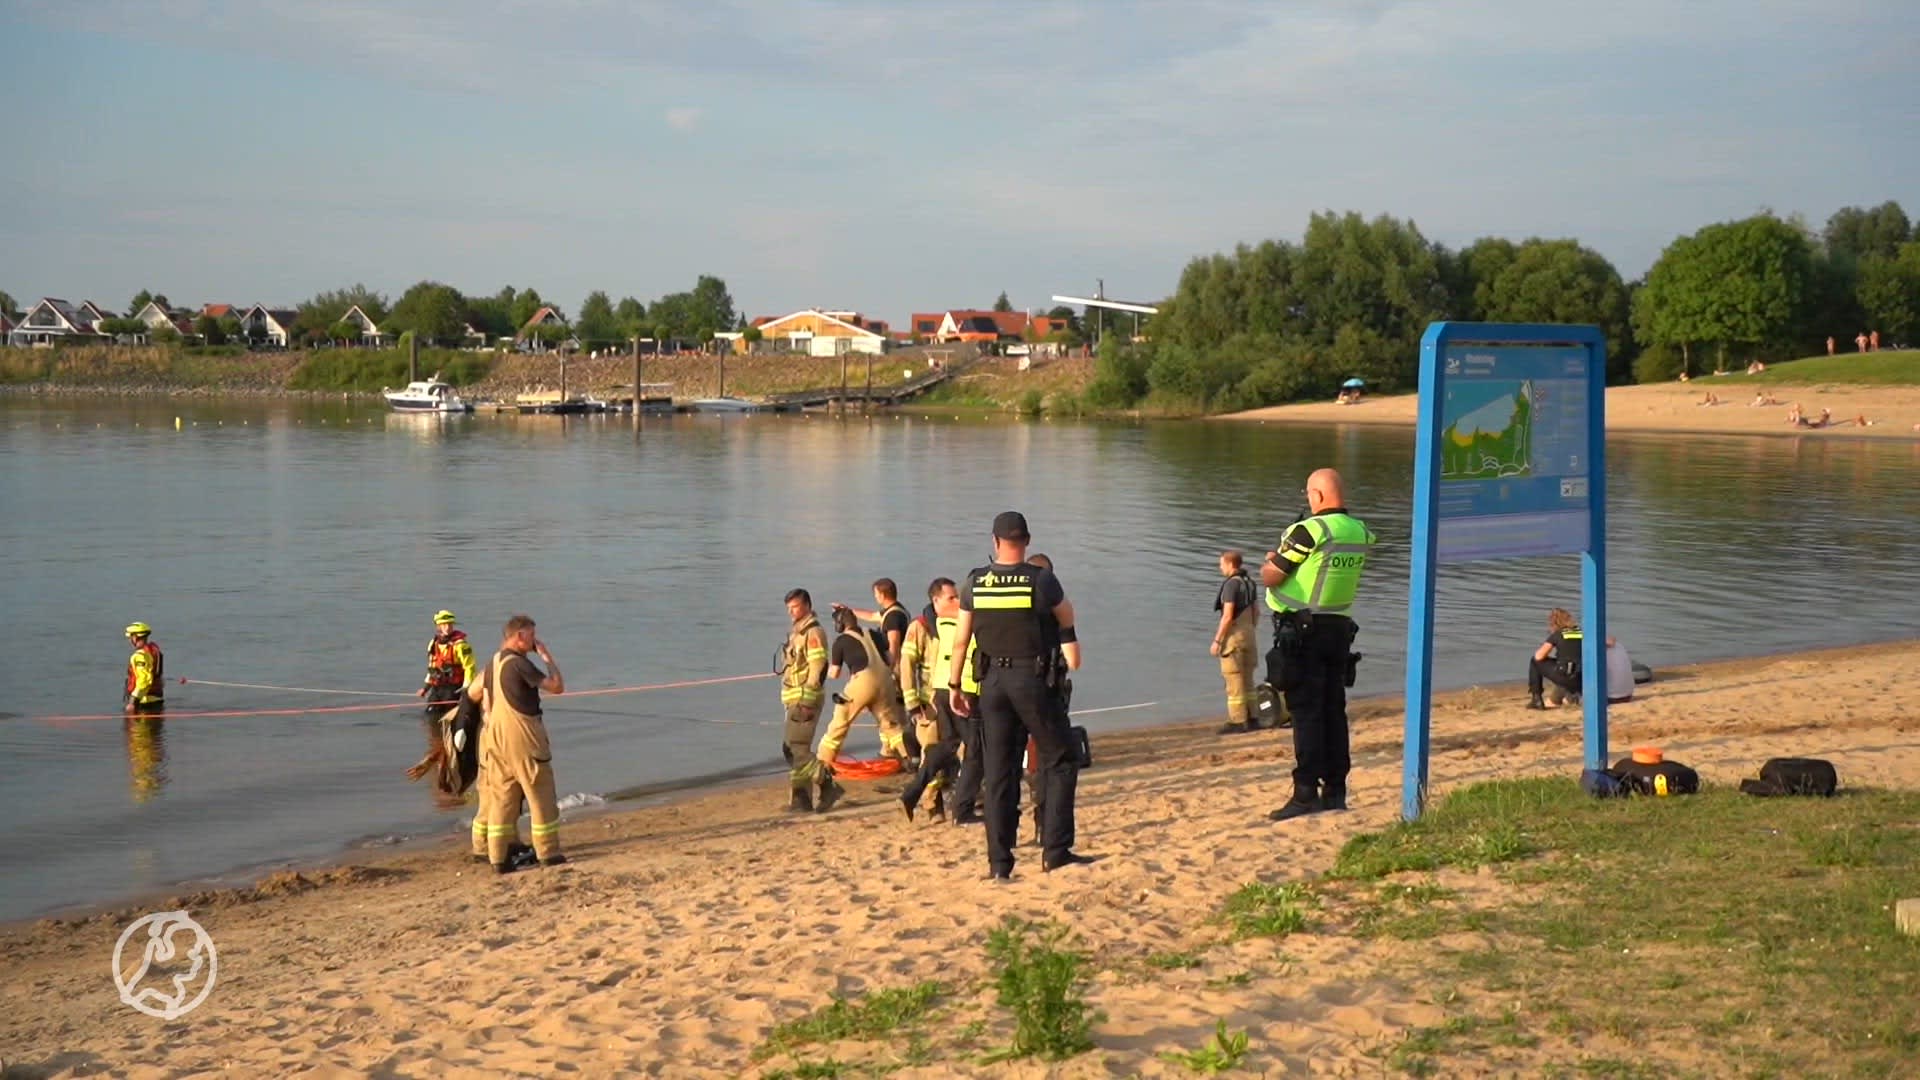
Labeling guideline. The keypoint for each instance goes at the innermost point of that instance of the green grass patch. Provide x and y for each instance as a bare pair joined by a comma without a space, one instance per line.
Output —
1262,909
1042,981
369,370
1175,961
810,1070
1758,932
1847,369
1222,1052
878,1016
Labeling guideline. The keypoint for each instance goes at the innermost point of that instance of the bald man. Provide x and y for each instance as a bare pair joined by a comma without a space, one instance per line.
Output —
1311,581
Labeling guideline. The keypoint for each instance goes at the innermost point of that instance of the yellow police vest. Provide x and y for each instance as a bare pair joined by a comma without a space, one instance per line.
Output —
1329,579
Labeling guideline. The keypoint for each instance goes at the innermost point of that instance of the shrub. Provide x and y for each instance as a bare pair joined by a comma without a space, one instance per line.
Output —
1041,981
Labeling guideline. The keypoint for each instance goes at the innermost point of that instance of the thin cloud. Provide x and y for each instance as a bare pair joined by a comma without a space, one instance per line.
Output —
684,118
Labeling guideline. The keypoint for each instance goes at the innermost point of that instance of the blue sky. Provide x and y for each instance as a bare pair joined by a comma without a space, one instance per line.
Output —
892,157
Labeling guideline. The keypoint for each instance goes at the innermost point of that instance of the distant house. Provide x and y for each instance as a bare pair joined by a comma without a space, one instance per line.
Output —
94,315
219,311
546,317
158,319
271,325
969,324
48,321
825,333
370,334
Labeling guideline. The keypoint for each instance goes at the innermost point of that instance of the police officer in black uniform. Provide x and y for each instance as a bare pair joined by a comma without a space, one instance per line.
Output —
1020,616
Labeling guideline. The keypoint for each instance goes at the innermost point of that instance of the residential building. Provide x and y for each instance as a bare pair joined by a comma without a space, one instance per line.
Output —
93,314
983,326
271,325
370,334
47,321
157,319
824,333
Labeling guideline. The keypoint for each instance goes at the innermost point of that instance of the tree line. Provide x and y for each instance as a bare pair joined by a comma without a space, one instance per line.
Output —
1283,320
441,314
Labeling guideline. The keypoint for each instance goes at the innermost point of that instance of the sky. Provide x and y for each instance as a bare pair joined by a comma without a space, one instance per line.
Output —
891,157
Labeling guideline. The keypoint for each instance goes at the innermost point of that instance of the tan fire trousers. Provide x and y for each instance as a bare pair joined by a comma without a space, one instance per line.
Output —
1237,666
873,689
516,770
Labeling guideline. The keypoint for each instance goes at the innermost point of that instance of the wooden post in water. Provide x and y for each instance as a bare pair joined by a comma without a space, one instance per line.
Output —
721,356
636,381
413,358
843,381
867,406
563,376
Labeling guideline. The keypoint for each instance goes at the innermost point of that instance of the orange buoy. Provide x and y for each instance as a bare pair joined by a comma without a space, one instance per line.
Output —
864,769
1647,755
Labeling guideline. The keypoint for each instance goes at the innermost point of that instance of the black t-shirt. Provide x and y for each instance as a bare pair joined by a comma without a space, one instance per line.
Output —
519,683
1013,632
895,619
1567,652
1238,591
849,653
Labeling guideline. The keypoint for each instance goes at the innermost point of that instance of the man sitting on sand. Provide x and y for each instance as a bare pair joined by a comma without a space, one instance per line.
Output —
1710,399
1798,419
1762,399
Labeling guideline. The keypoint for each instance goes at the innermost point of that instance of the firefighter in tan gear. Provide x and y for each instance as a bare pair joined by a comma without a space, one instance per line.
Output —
146,690
516,759
803,668
1236,641
925,657
871,687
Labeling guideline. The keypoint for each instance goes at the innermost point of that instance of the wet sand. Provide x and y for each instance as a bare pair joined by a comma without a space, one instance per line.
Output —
1892,411
681,934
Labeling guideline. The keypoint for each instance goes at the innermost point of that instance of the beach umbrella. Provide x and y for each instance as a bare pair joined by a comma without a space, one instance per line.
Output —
1353,384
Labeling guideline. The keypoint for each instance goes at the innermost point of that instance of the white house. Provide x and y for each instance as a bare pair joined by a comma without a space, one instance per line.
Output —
824,333
370,334
157,319
93,314
48,320
272,325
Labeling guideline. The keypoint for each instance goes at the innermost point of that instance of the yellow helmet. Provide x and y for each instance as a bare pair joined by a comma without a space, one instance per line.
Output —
444,616
138,628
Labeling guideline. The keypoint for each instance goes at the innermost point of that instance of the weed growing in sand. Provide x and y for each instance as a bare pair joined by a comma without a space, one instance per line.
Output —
1260,909
1405,912
1238,978
882,1013
810,1070
1438,840
1043,983
1175,961
1221,1053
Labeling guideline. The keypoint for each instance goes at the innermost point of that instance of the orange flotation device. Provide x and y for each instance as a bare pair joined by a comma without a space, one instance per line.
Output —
864,769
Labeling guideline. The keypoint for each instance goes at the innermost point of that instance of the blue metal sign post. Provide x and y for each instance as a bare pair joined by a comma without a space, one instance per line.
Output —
1509,460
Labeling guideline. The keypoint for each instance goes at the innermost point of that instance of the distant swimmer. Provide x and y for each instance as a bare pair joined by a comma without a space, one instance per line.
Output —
146,690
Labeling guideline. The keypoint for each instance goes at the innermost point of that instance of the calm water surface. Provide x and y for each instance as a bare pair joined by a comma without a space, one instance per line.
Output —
308,545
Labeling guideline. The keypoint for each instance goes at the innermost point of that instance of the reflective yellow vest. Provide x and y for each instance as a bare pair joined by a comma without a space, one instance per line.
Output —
1329,578
806,664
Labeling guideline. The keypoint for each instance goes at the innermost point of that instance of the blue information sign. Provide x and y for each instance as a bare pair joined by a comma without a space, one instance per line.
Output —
1509,461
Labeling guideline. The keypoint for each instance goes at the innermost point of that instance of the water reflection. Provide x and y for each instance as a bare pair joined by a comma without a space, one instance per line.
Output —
146,756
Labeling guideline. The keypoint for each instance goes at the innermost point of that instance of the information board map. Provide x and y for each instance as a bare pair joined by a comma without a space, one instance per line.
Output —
1513,449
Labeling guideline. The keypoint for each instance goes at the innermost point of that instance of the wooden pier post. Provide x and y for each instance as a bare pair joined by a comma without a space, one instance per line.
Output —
636,382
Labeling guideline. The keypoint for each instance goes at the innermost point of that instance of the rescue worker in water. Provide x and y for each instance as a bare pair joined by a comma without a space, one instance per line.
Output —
146,690
450,663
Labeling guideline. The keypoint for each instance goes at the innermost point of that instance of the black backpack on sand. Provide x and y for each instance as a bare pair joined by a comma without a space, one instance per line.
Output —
1661,778
1794,776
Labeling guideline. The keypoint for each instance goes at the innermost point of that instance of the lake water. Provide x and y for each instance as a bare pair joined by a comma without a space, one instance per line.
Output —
309,544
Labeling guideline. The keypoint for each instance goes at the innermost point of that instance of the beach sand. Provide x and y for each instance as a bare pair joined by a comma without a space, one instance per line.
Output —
1893,411
682,934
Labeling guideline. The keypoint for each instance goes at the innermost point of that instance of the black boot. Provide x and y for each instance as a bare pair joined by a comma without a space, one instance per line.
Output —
1234,728
829,794
801,803
1304,801
1535,701
1333,797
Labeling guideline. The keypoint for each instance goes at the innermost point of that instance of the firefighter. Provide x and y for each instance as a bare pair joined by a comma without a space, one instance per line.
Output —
146,690
450,664
803,670
516,757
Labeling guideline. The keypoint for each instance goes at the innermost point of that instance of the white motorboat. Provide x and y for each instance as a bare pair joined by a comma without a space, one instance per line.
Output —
430,395
724,404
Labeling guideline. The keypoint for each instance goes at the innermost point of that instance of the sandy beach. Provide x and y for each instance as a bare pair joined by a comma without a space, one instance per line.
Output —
1892,411
682,934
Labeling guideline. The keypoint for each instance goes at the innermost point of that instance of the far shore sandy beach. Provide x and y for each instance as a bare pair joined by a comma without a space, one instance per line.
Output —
683,933
1892,411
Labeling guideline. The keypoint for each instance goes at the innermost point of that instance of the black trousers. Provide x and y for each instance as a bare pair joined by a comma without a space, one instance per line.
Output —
940,759
1541,672
1317,698
966,791
438,698
1016,705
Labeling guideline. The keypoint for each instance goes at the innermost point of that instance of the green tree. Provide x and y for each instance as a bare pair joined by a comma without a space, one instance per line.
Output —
210,330
526,304
1854,233
1477,268
1003,304
346,332
7,305
229,326
122,326
597,324
435,313
1741,283
713,304
493,315
1889,293
751,335
631,314
1559,281
140,300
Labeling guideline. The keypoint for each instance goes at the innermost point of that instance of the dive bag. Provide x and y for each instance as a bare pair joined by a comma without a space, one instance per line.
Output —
1656,778
1794,776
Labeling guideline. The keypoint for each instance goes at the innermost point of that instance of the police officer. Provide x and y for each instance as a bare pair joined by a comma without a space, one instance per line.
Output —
1018,614
1311,581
